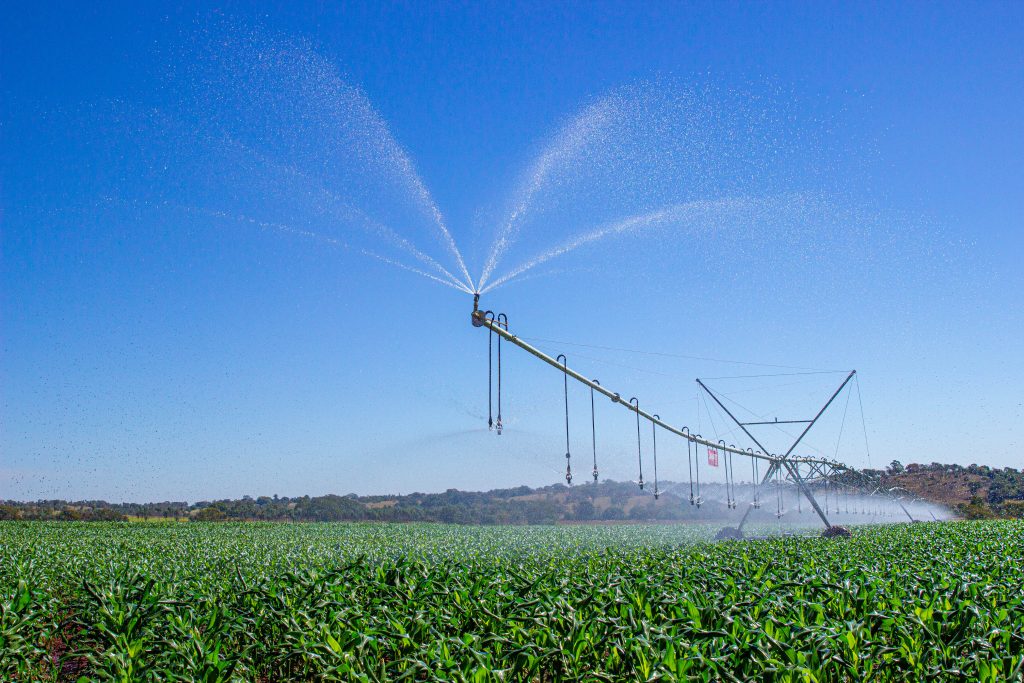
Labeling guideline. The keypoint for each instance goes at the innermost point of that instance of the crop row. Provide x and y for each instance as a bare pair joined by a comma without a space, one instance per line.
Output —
279,602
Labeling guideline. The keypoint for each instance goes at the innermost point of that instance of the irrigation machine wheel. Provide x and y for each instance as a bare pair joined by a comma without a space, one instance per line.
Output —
729,533
836,532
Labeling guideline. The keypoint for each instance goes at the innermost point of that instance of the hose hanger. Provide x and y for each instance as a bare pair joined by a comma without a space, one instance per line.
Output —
732,475
490,372
565,386
755,479
696,464
689,461
778,492
725,457
635,402
593,428
654,446
728,486
502,320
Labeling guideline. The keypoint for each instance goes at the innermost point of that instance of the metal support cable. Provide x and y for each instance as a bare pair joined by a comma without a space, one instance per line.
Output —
863,423
842,425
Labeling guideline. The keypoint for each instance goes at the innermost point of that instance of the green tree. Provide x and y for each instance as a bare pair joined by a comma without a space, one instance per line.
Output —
210,514
583,510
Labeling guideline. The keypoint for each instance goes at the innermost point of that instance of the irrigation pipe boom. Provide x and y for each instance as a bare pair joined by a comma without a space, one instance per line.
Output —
479,320
819,469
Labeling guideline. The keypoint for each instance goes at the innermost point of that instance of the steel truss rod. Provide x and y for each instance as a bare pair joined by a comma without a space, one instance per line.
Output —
480,320
792,468
905,510
787,463
898,500
821,412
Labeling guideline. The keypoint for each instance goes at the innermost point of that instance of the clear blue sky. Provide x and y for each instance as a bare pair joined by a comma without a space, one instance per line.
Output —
187,313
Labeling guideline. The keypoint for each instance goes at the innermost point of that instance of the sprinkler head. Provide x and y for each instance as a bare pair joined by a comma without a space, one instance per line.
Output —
497,426
641,482
477,316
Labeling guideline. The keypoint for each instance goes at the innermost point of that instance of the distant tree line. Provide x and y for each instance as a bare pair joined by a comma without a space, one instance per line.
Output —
607,501
991,491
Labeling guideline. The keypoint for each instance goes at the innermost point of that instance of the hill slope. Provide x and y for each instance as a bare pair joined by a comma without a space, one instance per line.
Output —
975,491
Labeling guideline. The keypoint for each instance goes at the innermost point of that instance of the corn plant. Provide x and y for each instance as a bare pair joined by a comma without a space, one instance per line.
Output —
364,602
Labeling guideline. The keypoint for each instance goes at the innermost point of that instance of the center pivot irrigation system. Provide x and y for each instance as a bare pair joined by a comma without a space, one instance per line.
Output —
804,472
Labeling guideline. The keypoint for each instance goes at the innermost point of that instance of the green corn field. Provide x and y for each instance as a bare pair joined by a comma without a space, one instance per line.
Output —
341,602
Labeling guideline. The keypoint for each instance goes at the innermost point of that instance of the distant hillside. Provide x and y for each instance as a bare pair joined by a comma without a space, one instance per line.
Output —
972,492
